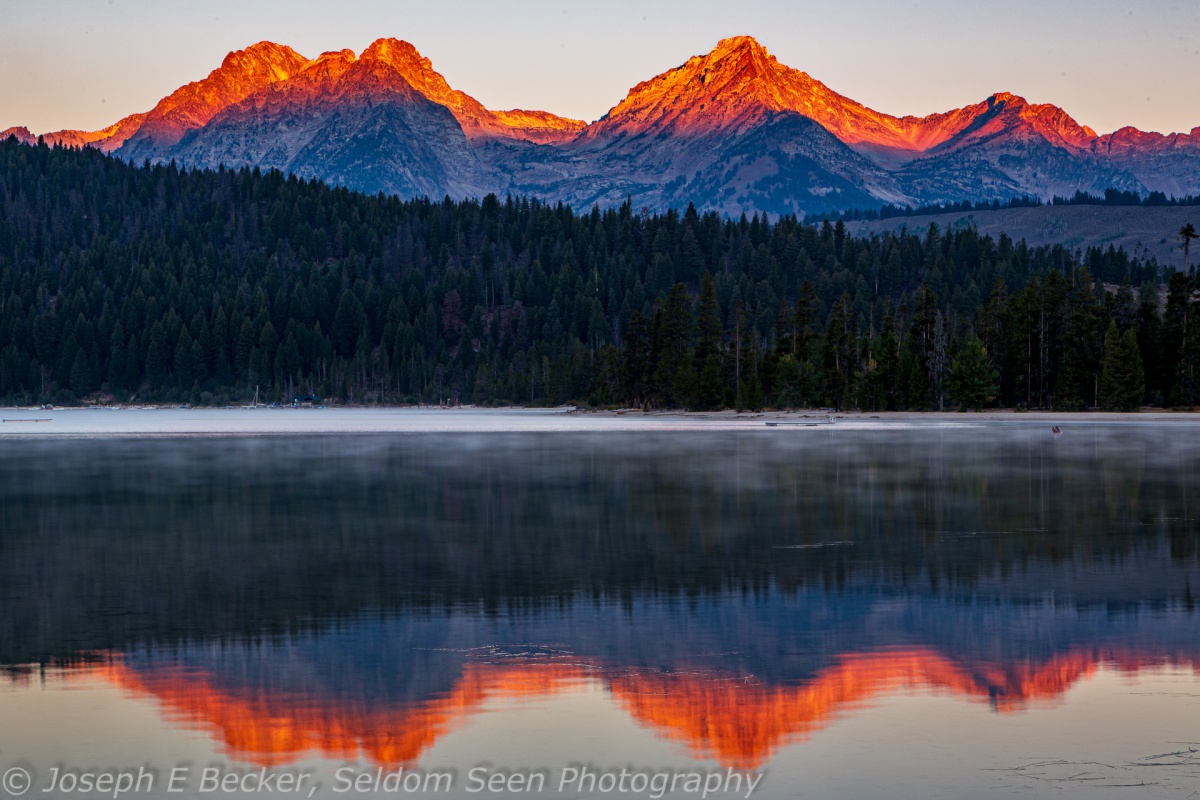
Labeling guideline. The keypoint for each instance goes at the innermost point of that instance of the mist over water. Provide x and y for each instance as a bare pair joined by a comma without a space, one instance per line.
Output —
740,596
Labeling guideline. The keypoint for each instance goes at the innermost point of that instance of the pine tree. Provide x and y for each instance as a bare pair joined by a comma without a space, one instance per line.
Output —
711,383
887,365
638,359
182,360
349,322
1122,380
244,348
924,344
836,355
749,349
673,343
1187,233
1149,334
81,374
1131,356
804,321
156,357
1178,362
973,380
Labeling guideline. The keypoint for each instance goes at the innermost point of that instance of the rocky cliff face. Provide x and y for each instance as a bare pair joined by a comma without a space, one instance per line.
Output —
1168,164
477,122
350,121
733,130
240,74
105,139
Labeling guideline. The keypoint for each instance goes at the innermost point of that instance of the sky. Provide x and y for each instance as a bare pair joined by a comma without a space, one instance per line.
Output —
1109,63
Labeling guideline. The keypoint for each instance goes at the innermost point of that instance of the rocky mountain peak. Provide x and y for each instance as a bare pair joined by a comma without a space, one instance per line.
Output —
739,47
242,73
418,71
257,60
379,120
727,88
1006,99
329,64
476,120
399,53
736,85
1047,121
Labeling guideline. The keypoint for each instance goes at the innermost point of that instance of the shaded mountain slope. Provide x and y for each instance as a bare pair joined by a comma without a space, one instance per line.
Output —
732,130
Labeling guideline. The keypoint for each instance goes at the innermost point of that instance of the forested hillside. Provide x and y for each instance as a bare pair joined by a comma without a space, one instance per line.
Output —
160,284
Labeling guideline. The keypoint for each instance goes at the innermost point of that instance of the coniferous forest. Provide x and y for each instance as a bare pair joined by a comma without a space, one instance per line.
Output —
159,284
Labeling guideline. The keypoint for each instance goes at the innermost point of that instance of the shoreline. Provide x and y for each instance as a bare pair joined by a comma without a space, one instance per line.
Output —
1146,414
989,415
136,421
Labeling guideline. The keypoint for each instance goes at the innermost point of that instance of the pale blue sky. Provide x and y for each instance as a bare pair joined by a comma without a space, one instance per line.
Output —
1109,63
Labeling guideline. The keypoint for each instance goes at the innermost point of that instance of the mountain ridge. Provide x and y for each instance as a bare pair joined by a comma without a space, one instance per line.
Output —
752,113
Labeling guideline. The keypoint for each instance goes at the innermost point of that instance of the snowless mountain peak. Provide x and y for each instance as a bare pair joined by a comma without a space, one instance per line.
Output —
477,121
774,138
277,59
734,45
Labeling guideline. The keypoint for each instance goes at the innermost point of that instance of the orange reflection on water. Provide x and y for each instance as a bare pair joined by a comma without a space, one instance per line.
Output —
737,721
271,729
741,723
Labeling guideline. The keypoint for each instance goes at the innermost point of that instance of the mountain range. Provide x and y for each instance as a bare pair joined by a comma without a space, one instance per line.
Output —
733,130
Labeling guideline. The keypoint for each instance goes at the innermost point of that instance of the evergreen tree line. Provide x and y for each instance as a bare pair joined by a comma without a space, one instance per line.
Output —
1111,197
891,210
161,284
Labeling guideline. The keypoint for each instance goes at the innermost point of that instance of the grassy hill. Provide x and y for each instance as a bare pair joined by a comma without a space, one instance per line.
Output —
1143,231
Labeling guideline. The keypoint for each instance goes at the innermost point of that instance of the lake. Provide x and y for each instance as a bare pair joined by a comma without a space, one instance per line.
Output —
351,603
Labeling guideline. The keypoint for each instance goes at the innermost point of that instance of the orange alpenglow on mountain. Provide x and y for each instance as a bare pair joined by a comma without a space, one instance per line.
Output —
246,72
476,121
729,88
242,73
732,719
734,85
776,140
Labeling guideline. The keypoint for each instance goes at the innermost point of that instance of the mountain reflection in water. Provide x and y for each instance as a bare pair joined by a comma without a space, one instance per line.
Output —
732,592
390,689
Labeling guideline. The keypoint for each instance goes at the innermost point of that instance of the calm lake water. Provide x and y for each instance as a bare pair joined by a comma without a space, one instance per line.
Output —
377,599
